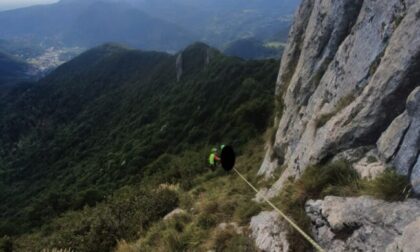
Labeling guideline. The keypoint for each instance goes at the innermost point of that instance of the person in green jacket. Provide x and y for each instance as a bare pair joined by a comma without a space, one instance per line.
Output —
213,158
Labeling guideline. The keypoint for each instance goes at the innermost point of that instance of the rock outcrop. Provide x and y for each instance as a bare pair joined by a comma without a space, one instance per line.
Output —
178,66
197,55
269,232
400,143
346,77
174,213
365,224
369,167
349,88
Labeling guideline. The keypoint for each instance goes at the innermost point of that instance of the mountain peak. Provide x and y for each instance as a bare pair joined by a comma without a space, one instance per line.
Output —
113,47
194,58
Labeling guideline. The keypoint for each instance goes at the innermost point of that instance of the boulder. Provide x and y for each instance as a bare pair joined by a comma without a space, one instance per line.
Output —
174,213
368,169
269,232
363,223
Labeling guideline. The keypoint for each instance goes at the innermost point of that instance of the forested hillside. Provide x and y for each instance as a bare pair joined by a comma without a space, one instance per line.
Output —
116,117
12,69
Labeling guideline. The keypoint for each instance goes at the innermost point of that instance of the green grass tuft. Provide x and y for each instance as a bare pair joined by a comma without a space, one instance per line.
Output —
388,186
207,221
316,182
246,210
227,240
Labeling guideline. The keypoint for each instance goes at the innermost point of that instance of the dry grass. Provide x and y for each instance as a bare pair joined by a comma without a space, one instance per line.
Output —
57,250
228,240
123,246
388,186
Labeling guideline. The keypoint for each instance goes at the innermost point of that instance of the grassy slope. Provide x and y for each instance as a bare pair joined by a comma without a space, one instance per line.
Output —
219,197
214,197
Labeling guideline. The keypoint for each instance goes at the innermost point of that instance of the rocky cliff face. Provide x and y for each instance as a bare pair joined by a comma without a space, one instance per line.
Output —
348,88
349,75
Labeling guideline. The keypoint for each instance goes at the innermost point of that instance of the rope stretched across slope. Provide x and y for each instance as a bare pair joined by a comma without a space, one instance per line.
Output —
290,221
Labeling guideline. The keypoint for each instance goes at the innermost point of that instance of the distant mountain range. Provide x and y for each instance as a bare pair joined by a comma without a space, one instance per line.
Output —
220,22
89,23
165,25
253,49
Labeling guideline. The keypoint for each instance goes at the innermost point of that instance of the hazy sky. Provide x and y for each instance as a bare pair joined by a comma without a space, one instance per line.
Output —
11,4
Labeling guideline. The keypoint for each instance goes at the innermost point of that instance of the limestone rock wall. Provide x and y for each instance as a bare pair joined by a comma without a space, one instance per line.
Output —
349,75
349,88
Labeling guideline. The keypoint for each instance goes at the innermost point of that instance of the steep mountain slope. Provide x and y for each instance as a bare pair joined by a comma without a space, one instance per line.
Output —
347,124
117,117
